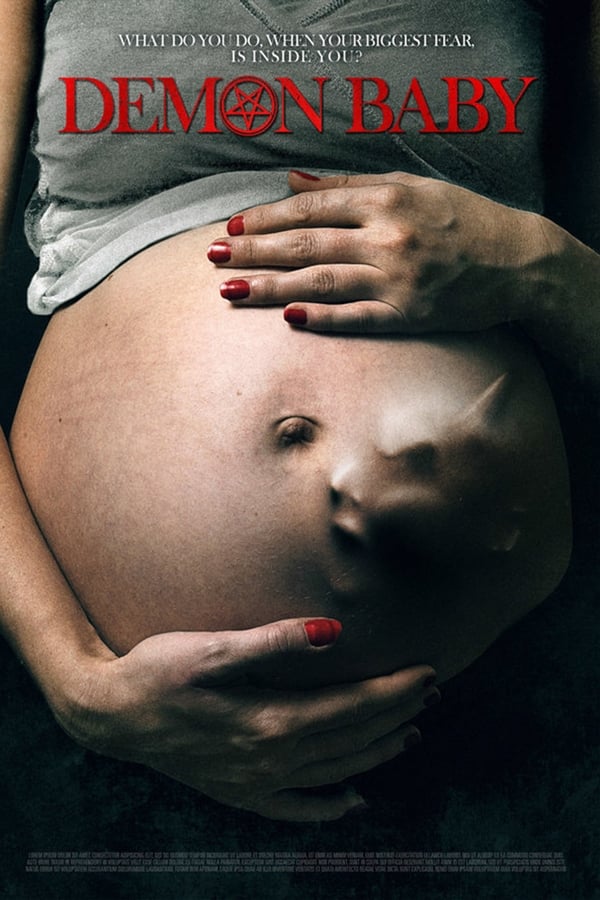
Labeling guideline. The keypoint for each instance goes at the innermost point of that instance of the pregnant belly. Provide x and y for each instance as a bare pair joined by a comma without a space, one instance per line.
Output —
110,444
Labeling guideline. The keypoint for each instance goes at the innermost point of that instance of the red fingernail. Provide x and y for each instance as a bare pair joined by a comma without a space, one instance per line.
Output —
295,316
236,289
235,226
219,252
306,175
322,632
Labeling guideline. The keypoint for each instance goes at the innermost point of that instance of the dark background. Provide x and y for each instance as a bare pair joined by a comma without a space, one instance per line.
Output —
509,760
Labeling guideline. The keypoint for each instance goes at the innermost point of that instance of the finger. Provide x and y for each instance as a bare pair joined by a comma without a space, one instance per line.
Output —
320,284
306,181
335,770
320,201
358,317
270,742
292,249
324,709
230,657
297,806
305,209
353,739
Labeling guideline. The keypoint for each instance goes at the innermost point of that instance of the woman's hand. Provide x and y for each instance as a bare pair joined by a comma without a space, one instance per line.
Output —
188,705
386,253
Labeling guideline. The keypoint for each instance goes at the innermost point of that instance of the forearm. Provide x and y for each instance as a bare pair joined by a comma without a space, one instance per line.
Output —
39,614
19,62
561,308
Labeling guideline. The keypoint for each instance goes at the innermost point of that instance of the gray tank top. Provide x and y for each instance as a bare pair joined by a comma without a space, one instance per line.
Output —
166,114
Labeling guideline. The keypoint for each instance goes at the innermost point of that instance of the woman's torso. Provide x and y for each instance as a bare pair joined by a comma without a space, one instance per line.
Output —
108,433
136,440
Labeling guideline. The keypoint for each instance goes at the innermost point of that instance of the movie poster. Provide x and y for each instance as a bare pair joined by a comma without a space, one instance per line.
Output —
158,118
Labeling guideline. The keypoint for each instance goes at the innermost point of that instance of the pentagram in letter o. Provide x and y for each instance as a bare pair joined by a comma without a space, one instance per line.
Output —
245,101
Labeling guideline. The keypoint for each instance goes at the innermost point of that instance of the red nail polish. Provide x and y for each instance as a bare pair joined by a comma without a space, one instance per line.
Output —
236,289
322,632
219,252
235,226
295,316
306,175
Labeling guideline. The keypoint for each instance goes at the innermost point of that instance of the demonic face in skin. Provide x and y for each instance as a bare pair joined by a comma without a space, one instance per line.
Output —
407,478
414,489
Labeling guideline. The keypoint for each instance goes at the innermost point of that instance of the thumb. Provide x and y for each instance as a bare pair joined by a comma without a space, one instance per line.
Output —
234,657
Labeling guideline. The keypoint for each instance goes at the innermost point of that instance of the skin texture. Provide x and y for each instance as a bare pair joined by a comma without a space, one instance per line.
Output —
213,469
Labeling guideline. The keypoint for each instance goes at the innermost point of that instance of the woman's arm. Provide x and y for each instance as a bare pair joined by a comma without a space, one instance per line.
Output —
19,52
51,634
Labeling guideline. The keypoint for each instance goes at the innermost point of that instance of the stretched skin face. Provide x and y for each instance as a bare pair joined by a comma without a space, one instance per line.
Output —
203,467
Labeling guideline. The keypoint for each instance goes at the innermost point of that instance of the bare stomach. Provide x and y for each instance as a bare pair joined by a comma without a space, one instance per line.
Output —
125,411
